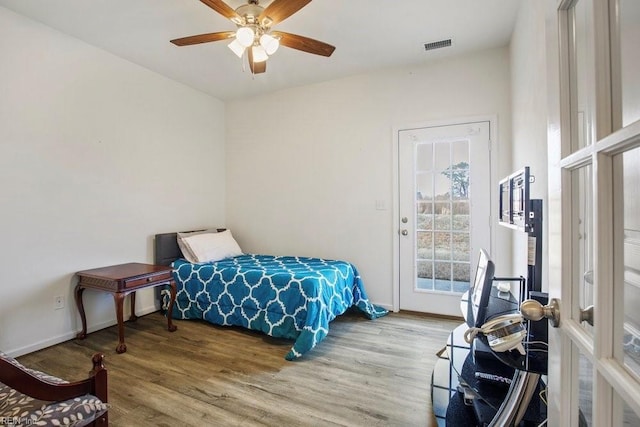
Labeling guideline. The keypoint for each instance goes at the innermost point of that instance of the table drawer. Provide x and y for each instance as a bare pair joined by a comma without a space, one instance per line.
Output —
142,280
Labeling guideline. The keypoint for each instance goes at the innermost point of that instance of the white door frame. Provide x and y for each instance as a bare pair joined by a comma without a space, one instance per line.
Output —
493,132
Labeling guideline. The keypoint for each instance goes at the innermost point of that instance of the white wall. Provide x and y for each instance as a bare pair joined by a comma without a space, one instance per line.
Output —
529,113
96,156
305,166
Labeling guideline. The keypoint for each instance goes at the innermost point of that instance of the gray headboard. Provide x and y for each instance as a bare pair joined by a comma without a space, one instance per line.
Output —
166,249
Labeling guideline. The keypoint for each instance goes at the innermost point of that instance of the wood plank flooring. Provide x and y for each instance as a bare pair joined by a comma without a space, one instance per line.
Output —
365,373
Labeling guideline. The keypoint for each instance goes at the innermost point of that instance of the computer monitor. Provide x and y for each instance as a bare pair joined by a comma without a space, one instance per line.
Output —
479,293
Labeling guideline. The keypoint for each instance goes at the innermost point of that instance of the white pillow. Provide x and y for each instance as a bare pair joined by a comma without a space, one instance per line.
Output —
209,247
184,248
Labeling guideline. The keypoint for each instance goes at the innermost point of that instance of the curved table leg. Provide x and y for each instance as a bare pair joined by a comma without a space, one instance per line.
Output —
170,326
118,298
78,294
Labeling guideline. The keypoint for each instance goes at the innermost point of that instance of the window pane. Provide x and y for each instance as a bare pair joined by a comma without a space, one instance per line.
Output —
442,243
424,207
424,186
585,390
424,221
460,170
460,220
461,276
629,41
460,154
582,75
442,185
631,244
461,247
629,418
424,279
443,216
442,157
424,201
424,243
442,272
582,233
424,157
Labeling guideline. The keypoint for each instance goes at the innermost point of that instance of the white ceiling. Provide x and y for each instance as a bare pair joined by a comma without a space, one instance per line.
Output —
368,35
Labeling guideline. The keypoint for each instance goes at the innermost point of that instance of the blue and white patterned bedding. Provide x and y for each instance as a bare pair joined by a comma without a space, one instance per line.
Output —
282,296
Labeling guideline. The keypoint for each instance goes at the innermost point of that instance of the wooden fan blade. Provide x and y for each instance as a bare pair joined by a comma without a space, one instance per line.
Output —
203,38
222,8
280,10
256,67
304,44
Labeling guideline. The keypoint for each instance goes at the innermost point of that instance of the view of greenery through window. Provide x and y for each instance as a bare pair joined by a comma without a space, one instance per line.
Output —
442,212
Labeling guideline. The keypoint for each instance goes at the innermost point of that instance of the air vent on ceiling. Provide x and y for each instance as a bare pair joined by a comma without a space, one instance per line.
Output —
437,45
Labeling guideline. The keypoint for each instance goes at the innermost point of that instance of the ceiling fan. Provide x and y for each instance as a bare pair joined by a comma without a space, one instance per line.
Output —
254,34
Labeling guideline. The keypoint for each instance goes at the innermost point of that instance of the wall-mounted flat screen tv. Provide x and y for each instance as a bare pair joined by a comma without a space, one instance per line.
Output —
515,206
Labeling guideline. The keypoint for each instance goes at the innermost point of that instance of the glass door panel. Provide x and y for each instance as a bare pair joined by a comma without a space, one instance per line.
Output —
582,111
629,418
442,233
582,232
585,390
631,247
629,13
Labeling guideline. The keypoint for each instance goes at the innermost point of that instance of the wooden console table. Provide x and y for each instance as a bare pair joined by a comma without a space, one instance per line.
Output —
121,280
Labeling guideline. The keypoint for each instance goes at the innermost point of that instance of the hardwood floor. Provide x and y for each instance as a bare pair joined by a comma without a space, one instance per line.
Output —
365,373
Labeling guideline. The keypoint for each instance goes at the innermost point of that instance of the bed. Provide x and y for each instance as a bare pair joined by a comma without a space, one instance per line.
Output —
282,296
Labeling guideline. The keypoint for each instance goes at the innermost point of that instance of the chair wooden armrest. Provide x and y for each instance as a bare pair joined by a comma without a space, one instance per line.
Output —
19,378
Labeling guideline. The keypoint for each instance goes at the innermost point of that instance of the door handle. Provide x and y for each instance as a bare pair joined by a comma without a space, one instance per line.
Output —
588,277
533,310
404,232
586,315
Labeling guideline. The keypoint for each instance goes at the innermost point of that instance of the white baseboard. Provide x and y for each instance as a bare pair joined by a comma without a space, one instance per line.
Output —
387,307
72,334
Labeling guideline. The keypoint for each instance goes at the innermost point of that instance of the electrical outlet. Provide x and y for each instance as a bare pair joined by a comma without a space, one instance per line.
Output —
58,302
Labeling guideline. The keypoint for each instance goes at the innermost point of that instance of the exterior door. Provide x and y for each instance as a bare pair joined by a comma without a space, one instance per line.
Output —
444,206
594,212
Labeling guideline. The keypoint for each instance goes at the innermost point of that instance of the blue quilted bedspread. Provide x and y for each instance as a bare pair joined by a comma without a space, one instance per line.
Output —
282,296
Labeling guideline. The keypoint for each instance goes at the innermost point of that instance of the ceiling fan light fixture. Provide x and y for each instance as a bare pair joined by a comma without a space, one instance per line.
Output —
269,43
259,54
245,36
266,22
253,36
237,48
